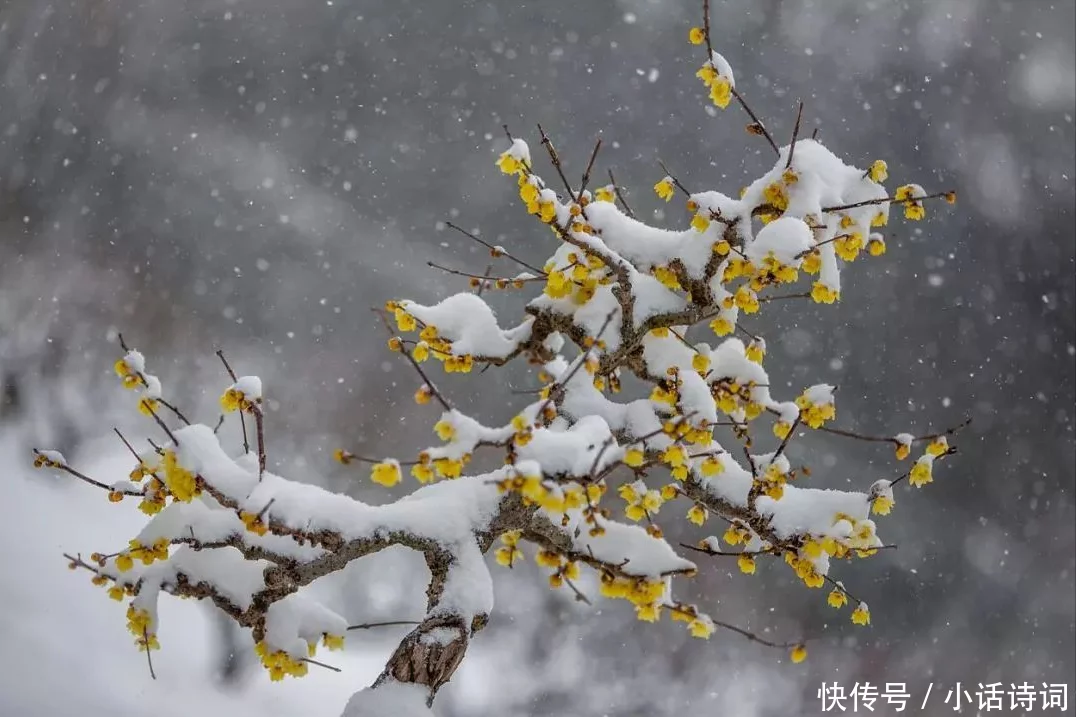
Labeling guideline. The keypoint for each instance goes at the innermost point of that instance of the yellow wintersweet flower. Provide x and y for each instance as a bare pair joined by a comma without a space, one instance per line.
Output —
721,326
881,505
822,294
937,447
634,457
746,564
711,466
700,363
696,36
605,194
861,615
798,654
837,598
651,501
509,164
422,472
755,351
253,523
776,196
674,455
913,208
444,430
700,222
333,642
721,91
547,212
231,400
920,474
876,246
665,189
404,320
386,473
697,514
667,277
701,629
649,612
879,171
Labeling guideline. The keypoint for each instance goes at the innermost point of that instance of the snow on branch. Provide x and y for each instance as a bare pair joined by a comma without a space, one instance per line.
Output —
592,468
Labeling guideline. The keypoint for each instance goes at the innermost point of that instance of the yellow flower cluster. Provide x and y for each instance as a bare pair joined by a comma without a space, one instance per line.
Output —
578,279
698,625
823,294
913,207
124,370
510,164
147,554
279,663
804,566
645,594
41,460
509,551
730,396
153,497
814,414
181,483
430,344
235,400
563,569
719,85
848,246
642,501
882,504
773,482
138,622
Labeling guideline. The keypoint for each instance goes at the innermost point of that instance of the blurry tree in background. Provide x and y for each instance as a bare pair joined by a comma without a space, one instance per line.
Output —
255,177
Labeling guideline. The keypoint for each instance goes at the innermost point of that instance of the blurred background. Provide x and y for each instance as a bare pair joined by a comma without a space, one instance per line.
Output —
254,176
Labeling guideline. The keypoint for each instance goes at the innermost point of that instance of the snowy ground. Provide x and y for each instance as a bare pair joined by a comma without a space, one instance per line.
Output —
64,649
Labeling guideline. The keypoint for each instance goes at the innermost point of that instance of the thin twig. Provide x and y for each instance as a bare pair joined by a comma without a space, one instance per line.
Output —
757,121
555,159
495,250
620,196
321,664
85,478
149,659
883,200
387,623
481,277
127,443
590,166
795,136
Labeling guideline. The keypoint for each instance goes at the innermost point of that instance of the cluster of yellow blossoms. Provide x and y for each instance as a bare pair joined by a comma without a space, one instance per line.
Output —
147,554
280,664
430,343
138,622
815,414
